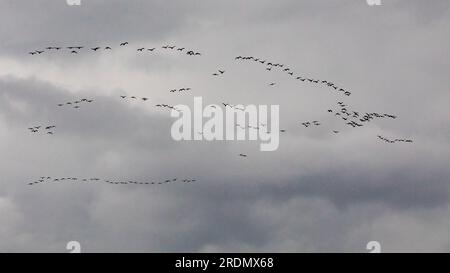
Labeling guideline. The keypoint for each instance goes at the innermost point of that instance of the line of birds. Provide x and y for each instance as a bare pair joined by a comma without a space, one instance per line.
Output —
311,123
262,125
282,67
134,98
256,128
48,179
188,52
232,106
184,89
394,140
47,129
77,49
162,105
76,104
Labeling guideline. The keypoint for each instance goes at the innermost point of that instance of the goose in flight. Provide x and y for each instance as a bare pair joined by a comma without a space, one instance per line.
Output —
124,44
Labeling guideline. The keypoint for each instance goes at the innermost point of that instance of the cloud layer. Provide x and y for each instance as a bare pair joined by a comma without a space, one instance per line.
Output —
318,192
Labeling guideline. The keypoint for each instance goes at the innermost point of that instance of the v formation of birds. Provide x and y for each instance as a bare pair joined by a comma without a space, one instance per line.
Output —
342,111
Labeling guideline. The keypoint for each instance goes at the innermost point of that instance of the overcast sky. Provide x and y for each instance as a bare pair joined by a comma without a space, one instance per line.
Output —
319,191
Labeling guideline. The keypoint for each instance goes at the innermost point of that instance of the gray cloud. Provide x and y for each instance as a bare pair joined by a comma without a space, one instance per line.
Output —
318,192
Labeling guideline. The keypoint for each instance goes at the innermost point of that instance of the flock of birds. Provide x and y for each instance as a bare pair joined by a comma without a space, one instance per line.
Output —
394,140
134,98
184,89
78,49
355,118
76,104
349,116
49,179
260,127
49,129
282,67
